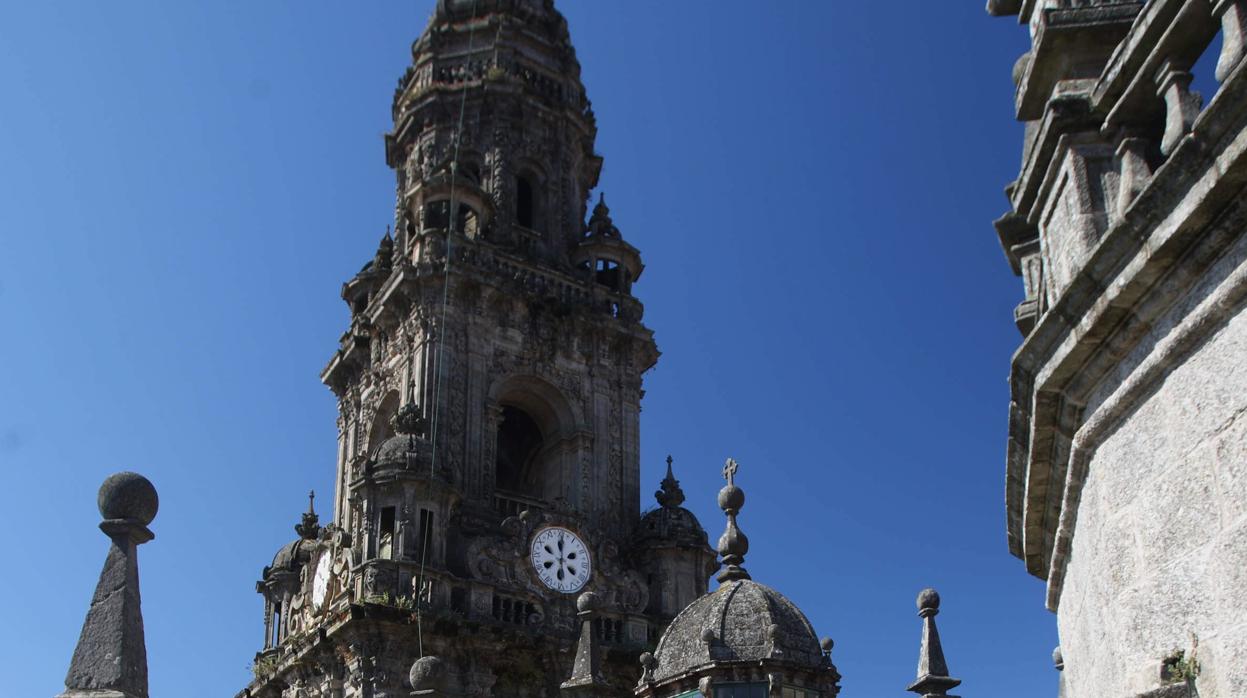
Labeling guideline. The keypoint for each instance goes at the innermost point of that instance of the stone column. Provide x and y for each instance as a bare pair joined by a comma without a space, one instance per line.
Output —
110,660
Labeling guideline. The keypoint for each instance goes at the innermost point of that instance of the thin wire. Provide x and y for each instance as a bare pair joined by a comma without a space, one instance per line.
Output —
425,539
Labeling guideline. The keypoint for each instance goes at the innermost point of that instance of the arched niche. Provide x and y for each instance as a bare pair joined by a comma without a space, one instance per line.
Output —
380,429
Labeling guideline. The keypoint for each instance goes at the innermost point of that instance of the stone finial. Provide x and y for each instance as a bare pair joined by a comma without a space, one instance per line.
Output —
732,544
670,495
648,664
309,528
409,420
428,677
384,259
586,680
111,656
933,680
600,223
1058,661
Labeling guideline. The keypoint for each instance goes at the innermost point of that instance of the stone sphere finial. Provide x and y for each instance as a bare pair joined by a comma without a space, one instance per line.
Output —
587,601
648,661
707,636
826,643
928,601
425,673
128,496
1058,660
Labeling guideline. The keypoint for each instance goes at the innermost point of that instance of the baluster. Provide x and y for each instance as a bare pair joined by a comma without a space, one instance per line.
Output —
1181,105
1134,170
1233,16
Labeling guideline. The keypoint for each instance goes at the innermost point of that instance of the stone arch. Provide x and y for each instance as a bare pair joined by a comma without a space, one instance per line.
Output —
380,429
529,200
537,439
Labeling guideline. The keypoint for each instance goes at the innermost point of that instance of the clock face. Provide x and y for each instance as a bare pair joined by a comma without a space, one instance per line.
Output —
320,582
561,559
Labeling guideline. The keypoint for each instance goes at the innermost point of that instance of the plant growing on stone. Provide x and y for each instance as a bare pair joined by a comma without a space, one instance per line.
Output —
263,666
1180,668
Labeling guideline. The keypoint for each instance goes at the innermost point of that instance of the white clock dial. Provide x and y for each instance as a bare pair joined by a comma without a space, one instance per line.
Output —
561,559
320,582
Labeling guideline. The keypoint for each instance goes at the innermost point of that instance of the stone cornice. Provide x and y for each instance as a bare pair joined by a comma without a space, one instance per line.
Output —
1106,311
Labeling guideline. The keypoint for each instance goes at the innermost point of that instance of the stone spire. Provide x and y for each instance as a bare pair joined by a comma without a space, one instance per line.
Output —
933,679
732,544
600,223
586,680
111,656
383,261
670,495
309,528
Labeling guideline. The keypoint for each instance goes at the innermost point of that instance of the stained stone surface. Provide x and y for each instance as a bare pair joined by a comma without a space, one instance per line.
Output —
751,622
1160,547
111,654
128,496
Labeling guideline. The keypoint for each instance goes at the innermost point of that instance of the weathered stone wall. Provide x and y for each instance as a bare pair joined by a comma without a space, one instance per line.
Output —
1158,562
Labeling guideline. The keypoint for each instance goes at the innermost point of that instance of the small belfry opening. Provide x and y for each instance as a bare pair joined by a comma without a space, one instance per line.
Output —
437,217
519,445
525,203
610,274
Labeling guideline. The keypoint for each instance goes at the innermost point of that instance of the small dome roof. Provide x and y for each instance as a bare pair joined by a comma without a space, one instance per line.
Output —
292,555
408,445
394,450
672,524
741,621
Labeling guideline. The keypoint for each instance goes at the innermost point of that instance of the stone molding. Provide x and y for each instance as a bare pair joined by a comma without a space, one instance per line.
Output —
1104,312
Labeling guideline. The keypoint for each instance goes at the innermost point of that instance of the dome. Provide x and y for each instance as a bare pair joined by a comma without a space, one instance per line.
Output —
741,621
394,450
672,524
408,446
292,555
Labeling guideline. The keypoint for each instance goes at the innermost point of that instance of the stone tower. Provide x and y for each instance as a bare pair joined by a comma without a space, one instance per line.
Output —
489,389
1125,485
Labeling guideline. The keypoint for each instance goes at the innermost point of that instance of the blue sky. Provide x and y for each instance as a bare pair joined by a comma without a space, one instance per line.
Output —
184,186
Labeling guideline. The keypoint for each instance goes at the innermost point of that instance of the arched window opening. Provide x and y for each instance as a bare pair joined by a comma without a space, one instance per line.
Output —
519,442
525,203
437,217
380,429
385,541
609,274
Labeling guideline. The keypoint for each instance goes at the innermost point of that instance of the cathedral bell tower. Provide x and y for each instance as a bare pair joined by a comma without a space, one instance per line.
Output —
495,308
489,389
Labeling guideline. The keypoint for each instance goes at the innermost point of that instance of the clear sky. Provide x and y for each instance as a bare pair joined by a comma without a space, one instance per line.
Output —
184,187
